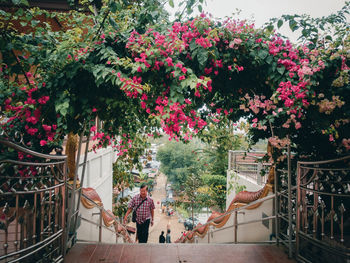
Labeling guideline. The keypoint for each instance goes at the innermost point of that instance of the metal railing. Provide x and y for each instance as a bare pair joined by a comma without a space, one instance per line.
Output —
32,205
323,198
235,225
248,165
126,237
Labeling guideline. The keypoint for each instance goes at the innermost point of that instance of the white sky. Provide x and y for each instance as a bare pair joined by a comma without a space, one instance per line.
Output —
262,10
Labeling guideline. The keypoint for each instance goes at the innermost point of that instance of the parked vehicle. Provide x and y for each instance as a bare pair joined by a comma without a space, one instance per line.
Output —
190,224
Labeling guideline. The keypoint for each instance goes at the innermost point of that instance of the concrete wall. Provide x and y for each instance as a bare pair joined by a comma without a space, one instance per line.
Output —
252,232
249,183
99,174
90,232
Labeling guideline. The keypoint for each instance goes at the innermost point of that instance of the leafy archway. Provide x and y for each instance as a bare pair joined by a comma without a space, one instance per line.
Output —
174,78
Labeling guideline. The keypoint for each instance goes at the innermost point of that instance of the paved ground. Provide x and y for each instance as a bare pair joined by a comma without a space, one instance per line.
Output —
176,253
161,220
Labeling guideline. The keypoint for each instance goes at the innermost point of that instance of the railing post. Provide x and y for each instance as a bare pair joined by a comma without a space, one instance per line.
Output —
209,234
276,221
290,230
258,173
100,228
236,226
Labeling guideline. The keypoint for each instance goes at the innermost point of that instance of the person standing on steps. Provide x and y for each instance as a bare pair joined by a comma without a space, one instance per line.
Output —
144,206
162,238
168,236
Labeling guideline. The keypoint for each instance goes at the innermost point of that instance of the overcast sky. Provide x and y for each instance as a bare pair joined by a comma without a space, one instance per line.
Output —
262,10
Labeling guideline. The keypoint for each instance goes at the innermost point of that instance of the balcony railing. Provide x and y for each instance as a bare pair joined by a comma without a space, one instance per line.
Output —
32,205
322,223
249,165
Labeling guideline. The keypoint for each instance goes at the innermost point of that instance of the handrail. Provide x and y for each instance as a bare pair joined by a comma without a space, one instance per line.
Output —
31,152
107,212
236,210
40,245
239,151
324,162
94,223
245,223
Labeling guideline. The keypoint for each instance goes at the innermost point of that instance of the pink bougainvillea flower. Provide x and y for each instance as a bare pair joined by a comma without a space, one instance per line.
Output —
93,128
43,142
188,101
43,99
47,128
32,131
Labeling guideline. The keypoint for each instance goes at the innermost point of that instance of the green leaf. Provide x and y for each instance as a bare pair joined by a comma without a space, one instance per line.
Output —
16,2
281,70
193,45
113,6
171,3
34,23
200,8
279,23
19,12
293,25
202,57
262,54
24,2
270,27
269,59
113,23
62,107
328,37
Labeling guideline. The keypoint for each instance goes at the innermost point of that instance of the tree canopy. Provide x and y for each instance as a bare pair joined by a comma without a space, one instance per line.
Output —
127,64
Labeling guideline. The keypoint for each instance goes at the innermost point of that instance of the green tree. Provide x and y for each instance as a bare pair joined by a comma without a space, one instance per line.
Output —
220,137
216,190
176,158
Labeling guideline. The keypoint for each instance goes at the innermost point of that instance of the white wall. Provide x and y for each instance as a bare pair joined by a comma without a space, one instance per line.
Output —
252,232
99,174
90,232
250,185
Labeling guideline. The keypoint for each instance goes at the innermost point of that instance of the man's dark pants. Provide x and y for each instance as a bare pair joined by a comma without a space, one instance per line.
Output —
142,231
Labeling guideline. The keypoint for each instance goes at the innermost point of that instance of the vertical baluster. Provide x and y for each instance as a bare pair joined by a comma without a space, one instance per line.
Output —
342,210
315,209
6,211
56,210
49,213
42,198
25,223
34,221
305,202
332,217
323,206
16,227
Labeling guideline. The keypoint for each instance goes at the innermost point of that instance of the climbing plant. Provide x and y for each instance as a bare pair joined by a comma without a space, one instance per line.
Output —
140,74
